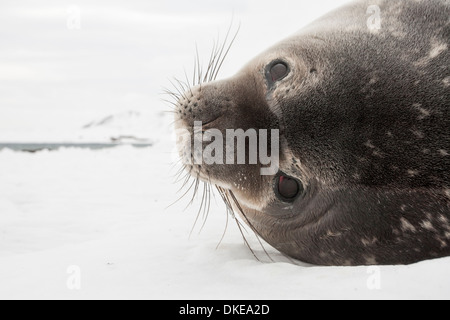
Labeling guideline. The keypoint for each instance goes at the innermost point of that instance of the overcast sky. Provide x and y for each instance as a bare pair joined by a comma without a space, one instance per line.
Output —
61,60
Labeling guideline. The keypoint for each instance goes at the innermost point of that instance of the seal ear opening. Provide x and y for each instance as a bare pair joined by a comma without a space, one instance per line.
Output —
287,188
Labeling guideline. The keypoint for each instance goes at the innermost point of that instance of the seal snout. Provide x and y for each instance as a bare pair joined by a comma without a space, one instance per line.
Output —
218,124
203,103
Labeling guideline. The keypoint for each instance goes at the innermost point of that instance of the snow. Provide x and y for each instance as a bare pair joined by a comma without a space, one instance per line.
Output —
108,212
108,220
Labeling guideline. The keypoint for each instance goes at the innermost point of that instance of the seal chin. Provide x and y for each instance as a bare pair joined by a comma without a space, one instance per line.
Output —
198,172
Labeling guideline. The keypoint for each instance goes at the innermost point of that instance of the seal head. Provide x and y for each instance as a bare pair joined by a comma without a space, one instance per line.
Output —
363,117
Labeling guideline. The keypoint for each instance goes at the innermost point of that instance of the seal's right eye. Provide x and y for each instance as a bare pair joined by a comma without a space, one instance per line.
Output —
287,188
278,71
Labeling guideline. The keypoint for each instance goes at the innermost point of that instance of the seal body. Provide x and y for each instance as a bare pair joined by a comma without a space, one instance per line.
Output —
364,120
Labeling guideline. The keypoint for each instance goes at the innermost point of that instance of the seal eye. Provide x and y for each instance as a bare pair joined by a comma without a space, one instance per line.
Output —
278,71
287,188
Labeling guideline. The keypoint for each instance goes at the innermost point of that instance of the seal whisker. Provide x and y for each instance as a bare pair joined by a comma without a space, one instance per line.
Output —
225,230
171,93
229,213
258,236
195,72
239,225
185,183
187,81
207,208
187,178
219,53
181,94
197,184
203,201
217,57
180,172
199,68
176,163
171,112
184,86
197,216
212,59
176,120
226,196
172,105
184,194
179,178
173,102
228,49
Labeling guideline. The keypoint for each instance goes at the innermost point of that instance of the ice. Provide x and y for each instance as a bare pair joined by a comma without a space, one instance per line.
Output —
107,212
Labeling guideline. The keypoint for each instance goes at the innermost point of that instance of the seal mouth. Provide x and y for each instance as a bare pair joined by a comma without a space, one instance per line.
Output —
210,123
198,173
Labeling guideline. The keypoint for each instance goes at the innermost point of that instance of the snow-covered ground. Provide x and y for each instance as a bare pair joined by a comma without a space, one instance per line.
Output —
107,214
77,224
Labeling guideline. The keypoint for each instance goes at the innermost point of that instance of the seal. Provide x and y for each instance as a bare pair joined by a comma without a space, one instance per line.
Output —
361,99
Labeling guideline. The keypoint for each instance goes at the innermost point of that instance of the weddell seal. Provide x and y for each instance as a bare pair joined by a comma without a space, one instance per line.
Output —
360,100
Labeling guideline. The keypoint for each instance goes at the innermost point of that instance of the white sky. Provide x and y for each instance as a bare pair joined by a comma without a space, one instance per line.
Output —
124,53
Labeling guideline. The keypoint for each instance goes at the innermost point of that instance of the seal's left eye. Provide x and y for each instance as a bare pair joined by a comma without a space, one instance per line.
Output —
278,71
288,188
